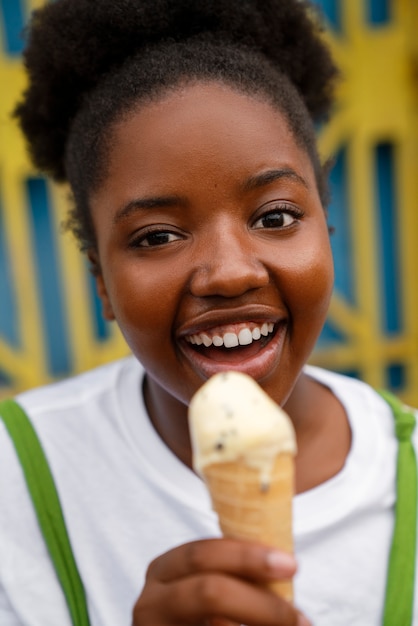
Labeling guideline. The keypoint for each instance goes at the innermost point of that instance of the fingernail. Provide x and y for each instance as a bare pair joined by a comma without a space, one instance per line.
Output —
281,562
302,621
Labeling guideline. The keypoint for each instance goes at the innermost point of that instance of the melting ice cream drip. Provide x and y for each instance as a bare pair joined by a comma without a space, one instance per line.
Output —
232,418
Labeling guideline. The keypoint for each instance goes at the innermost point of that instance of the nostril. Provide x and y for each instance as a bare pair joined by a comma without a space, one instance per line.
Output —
229,277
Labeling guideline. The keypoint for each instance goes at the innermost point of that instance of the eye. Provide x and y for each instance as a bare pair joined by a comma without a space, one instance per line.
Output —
281,216
154,238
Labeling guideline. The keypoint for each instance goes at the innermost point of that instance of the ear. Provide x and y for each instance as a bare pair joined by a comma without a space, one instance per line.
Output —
96,270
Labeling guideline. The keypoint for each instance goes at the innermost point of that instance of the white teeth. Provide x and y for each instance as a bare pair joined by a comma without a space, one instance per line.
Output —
230,340
245,337
265,330
256,333
206,340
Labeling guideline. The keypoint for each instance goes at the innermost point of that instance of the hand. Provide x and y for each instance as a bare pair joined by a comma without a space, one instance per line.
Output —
216,582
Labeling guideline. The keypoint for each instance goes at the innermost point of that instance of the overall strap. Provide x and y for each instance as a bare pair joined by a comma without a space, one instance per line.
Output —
47,507
399,602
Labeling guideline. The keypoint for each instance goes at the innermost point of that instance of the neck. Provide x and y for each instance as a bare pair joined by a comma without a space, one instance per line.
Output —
168,415
322,431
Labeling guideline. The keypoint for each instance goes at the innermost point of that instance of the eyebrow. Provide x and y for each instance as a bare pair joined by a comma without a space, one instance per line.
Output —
254,182
146,203
270,176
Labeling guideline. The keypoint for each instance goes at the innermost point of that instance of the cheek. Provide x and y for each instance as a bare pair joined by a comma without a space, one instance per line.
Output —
144,302
148,298
309,285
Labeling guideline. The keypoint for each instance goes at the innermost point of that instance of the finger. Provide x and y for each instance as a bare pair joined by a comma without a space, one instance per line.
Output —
237,558
196,599
218,597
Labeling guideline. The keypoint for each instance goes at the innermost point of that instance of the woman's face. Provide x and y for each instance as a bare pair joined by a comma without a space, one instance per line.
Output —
212,241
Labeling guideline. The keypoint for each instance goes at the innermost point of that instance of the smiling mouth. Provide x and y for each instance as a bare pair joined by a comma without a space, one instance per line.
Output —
250,347
229,339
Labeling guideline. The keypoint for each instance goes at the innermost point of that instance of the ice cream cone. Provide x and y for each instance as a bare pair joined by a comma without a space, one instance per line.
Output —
244,446
250,509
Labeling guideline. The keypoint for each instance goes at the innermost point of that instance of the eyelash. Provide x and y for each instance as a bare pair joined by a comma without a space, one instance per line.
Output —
138,242
279,209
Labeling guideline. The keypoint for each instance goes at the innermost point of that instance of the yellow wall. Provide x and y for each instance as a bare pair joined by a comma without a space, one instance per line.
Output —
378,102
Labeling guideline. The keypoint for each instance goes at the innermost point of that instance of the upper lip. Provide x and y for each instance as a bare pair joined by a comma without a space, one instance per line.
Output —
224,317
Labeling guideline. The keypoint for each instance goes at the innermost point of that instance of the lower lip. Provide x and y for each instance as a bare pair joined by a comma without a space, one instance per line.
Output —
259,365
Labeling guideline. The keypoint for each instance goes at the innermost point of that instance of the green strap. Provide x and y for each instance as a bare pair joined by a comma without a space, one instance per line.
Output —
47,506
399,603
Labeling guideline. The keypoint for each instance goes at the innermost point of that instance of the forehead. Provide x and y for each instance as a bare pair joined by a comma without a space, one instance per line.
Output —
202,127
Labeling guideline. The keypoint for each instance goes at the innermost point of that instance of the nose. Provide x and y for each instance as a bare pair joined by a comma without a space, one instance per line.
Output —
227,264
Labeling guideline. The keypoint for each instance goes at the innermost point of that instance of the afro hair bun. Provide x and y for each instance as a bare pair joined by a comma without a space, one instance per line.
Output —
72,44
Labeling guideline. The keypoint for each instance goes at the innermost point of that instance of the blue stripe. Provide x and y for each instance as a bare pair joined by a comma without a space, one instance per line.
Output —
341,244
396,377
331,335
8,308
12,16
351,373
5,380
379,11
49,280
100,326
342,238
390,276
332,11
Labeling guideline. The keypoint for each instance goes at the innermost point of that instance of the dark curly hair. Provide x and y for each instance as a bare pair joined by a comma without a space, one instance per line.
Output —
88,63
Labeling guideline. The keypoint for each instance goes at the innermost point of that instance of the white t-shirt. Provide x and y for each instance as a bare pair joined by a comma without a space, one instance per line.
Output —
126,499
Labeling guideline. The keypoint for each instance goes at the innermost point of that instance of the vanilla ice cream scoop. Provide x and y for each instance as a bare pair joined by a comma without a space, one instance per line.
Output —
231,418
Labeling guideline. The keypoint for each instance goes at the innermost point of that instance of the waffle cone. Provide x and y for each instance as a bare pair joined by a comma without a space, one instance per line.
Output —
247,509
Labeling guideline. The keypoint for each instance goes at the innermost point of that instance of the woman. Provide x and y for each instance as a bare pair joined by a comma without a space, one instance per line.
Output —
186,132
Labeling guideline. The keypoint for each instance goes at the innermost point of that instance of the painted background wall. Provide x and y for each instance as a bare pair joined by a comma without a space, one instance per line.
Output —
50,321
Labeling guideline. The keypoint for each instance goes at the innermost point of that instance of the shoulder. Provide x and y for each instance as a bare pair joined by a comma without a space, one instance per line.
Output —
85,389
88,407
77,421
360,398
349,390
